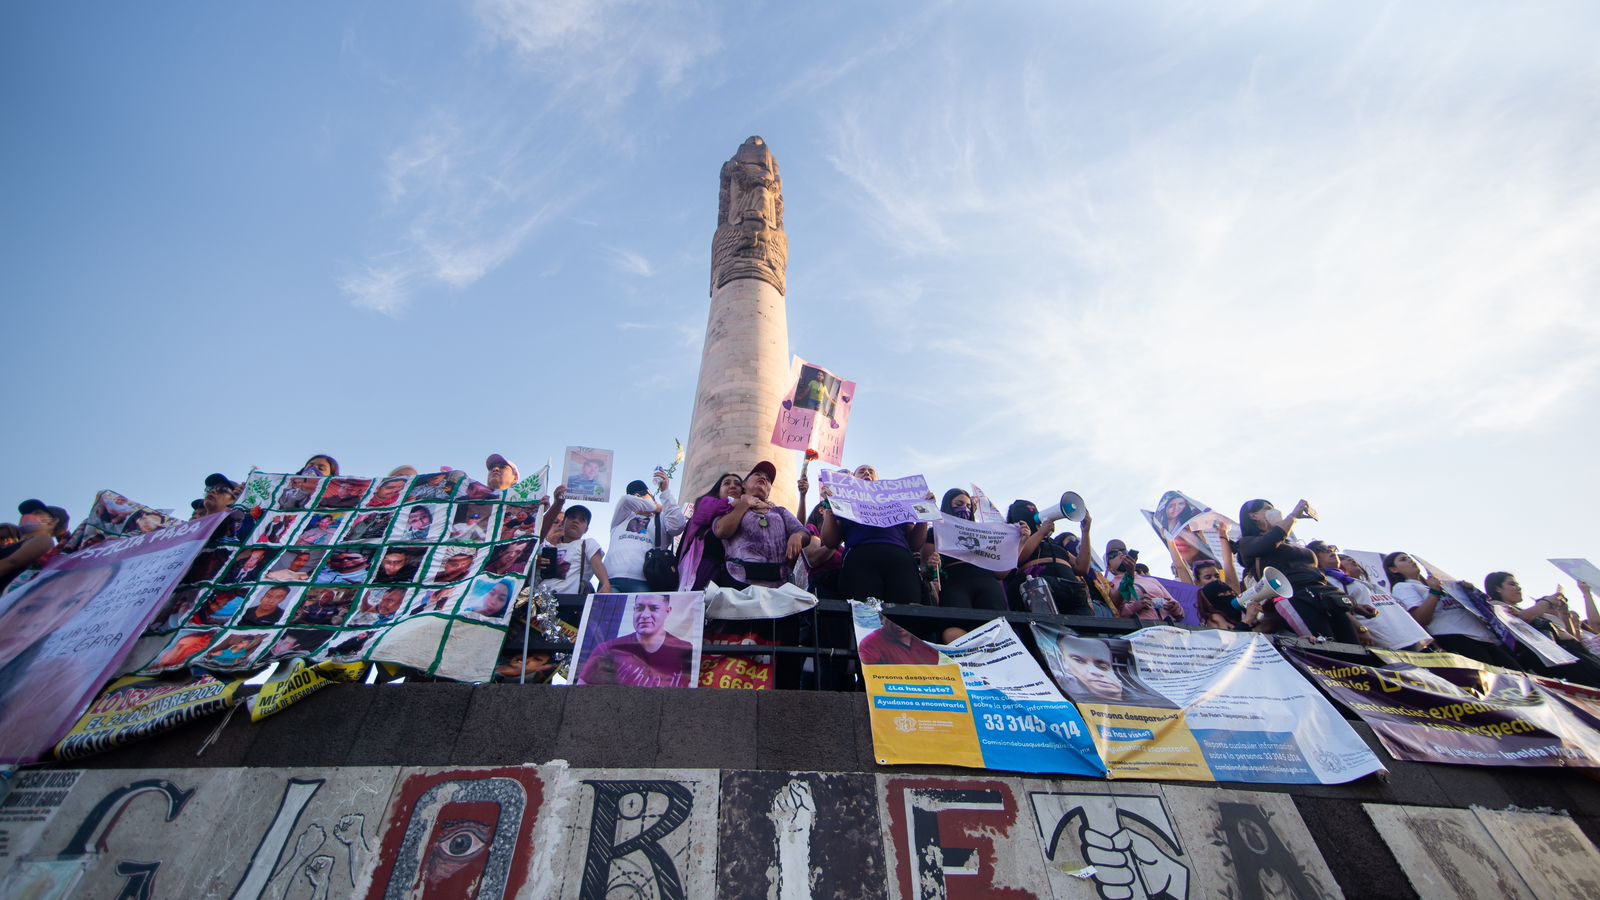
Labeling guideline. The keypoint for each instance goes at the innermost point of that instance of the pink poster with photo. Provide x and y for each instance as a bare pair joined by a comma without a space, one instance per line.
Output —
64,633
815,413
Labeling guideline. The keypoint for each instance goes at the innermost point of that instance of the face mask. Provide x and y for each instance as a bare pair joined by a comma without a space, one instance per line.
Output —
962,513
30,527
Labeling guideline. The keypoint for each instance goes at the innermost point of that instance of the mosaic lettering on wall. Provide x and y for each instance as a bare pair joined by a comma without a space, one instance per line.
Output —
1447,852
958,838
633,833
783,834
1551,853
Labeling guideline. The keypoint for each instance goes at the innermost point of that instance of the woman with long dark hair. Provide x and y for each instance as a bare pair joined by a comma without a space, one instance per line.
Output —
700,553
963,584
1266,542
1548,615
1455,628
879,562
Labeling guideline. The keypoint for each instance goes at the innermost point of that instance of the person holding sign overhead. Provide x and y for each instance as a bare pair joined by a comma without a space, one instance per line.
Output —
878,561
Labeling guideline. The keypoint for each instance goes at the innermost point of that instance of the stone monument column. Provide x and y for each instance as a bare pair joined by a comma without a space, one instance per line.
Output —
744,367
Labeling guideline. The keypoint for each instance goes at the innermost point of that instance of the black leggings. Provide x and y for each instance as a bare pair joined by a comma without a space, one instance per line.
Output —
1472,648
968,587
1324,615
885,571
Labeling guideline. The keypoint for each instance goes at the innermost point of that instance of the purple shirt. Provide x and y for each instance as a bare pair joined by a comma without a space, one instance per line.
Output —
753,543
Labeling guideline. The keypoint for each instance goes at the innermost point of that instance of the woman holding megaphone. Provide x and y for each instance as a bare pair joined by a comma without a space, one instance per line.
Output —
1266,542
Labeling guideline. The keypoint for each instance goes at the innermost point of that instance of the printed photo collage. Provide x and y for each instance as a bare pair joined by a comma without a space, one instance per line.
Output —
323,568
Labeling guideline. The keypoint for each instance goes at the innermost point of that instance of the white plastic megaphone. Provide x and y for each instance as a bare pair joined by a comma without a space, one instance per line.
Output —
1274,585
1071,507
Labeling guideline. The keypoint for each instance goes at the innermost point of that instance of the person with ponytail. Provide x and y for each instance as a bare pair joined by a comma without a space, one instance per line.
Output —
1266,542
1455,628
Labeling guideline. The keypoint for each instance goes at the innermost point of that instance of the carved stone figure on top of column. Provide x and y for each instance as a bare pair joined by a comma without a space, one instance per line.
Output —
750,242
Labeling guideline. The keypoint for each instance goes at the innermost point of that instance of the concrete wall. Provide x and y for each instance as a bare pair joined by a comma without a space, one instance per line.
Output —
727,761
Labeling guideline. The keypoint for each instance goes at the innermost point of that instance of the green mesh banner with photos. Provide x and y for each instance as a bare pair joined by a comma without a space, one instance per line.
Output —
420,570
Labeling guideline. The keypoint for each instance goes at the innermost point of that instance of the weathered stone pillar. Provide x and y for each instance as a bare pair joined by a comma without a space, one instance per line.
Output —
744,365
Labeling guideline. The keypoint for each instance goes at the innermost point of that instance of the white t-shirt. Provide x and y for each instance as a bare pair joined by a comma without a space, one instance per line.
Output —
1393,627
569,556
633,532
1449,617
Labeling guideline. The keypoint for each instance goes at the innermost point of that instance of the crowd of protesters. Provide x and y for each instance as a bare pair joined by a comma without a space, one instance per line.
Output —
734,535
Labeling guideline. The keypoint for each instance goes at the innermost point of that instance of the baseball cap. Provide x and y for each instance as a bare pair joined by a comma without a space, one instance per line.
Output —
38,506
217,479
496,459
197,504
637,488
765,468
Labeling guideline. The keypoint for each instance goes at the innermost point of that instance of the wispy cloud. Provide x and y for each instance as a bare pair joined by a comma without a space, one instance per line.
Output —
630,262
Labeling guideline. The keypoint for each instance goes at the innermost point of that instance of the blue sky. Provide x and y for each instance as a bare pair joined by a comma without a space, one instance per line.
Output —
1338,251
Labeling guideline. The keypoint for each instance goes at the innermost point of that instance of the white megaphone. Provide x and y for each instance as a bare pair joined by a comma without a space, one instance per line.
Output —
1273,585
1070,507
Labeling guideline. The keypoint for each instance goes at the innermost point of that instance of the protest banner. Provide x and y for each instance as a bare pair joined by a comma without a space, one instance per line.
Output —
1189,527
815,414
751,673
112,516
1439,707
297,680
987,546
1549,652
134,708
980,702
1580,570
882,503
640,640
587,474
1167,703
419,571
64,633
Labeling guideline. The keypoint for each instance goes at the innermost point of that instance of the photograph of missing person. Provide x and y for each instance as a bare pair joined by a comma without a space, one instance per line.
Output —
423,522
269,605
219,607
511,559
519,520
145,521
433,486
298,642
110,511
586,472
434,600
379,606
207,565
816,389
320,529
346,565
236,650
399,565
249,564
489,599
175,612
451,564
472,523
184,647
1099,670
367,527
295,566
324,606
344,493
476,490
891,645
388,492
297,492
346,647
641,640
276,527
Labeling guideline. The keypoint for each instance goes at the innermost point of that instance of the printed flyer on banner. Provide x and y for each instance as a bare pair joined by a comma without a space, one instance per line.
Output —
420,571
134,708
65,632
883,503
641,640
1439,707
816,412
587,475
981,702
1167,703
987,546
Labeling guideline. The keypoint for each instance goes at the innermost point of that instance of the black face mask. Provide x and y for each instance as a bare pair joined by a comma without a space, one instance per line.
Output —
963,513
